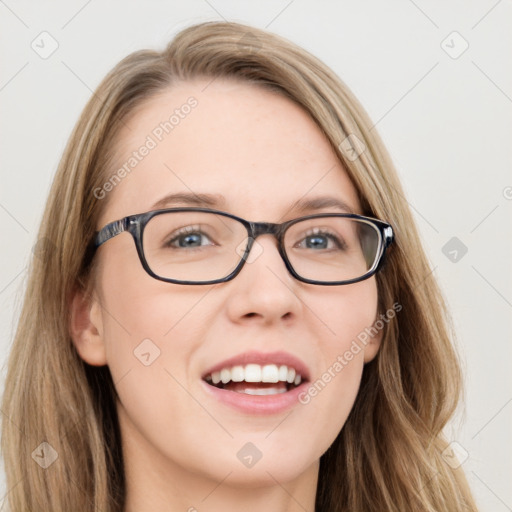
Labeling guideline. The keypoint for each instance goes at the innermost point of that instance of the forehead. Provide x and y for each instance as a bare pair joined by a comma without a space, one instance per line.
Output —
256,148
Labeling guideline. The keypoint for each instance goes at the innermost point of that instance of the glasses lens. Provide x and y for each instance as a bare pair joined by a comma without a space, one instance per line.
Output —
193,246
333,248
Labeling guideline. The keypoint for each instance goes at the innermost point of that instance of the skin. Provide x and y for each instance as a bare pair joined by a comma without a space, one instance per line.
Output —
262,152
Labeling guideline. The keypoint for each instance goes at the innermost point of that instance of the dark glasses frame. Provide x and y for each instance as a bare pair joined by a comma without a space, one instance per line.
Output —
135,225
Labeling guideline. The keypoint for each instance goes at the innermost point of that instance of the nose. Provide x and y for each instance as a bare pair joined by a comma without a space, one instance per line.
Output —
264,288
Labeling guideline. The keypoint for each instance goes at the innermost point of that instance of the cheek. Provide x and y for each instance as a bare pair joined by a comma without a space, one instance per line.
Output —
150,339
138,307
347,314
330,396
151,331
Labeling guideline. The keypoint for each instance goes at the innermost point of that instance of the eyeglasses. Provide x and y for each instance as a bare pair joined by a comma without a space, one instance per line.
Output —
203,246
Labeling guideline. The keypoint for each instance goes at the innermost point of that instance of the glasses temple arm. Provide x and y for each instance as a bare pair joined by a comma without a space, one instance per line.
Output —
110,230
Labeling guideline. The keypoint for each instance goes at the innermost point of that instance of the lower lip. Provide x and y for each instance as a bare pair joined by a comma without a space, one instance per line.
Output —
256,404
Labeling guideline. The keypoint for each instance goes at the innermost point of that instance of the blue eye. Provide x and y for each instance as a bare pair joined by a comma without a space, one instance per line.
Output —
320,240
186,238
317,241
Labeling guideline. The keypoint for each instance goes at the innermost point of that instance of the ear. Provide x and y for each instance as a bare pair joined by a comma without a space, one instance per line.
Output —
86,328
372,346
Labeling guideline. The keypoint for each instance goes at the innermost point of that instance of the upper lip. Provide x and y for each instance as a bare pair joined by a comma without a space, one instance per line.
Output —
262,358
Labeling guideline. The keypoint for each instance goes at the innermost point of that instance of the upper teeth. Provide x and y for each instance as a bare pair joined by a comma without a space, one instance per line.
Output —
256,373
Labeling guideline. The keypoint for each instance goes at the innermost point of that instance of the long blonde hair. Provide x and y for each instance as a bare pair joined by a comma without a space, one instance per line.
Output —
388,456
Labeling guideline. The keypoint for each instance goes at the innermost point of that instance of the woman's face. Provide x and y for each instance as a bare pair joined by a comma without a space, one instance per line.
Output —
262,153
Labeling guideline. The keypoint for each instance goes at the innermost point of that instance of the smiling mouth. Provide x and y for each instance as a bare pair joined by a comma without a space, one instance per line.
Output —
255,379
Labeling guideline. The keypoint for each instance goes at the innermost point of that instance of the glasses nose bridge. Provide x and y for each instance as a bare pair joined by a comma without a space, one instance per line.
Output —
266,228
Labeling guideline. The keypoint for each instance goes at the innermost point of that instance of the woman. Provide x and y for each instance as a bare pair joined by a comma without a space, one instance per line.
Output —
231,309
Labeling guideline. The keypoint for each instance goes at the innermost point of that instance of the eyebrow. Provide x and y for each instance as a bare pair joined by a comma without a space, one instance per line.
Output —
219,201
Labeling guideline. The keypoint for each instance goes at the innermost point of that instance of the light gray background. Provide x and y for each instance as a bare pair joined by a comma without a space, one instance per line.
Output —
445,117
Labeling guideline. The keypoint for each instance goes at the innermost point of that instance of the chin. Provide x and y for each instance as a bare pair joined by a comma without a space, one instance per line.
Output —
252,467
